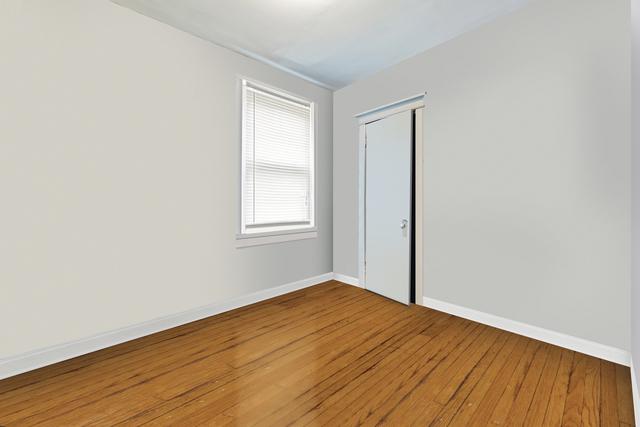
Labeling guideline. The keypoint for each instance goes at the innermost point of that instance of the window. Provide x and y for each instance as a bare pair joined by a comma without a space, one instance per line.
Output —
277,162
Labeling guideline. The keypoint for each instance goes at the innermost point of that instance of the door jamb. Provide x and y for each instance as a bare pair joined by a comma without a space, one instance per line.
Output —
412,103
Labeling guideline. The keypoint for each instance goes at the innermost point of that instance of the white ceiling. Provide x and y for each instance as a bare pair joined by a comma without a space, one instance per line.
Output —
331,42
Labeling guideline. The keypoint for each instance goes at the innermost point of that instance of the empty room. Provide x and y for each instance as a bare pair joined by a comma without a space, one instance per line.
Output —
319,212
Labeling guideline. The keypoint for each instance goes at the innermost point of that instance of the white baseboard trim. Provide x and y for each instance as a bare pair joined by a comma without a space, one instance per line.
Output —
581,345
353,281
636,394
36,359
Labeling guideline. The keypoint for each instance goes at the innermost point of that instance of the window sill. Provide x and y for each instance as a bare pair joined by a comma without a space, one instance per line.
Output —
259,239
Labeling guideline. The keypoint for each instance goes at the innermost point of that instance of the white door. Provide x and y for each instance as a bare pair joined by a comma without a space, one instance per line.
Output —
388,152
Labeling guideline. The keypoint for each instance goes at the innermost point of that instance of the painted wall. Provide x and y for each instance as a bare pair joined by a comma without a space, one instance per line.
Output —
527,171
119,165
635,114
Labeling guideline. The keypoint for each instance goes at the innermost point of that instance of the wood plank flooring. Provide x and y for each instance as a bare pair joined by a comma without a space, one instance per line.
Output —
329,355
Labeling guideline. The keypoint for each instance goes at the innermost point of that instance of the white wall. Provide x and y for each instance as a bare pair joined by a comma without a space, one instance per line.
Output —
527,170
119,164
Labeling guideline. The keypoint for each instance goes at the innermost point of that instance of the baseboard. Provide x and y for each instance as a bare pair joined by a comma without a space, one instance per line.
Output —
581,345
36,359
636,394
353,281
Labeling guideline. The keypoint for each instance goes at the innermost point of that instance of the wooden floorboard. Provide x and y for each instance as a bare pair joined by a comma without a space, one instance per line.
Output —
331,354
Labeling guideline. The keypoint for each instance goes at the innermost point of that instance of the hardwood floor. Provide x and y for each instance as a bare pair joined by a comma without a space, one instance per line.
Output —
331,355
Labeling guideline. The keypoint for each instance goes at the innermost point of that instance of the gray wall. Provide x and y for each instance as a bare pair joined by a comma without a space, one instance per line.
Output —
119,167
635,97
527,171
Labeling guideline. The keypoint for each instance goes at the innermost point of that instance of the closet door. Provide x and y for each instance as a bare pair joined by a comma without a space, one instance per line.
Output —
388,190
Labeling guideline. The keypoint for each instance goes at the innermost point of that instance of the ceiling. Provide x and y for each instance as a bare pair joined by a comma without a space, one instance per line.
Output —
331,42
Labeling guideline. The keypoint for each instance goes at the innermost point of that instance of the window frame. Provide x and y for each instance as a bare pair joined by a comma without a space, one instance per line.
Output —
274,234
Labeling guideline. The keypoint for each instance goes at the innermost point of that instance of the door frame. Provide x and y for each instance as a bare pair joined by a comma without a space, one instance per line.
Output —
412,103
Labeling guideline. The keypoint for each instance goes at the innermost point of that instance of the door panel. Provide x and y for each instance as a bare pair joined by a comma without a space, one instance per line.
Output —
388,206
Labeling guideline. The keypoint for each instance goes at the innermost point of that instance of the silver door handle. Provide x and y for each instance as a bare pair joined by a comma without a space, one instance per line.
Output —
403,224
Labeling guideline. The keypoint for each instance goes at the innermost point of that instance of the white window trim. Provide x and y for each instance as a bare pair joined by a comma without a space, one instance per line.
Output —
285,233
268,238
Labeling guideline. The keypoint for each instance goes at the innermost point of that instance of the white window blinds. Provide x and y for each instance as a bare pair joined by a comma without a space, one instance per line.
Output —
277,161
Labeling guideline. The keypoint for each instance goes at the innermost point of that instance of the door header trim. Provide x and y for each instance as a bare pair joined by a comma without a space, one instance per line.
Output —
410,103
